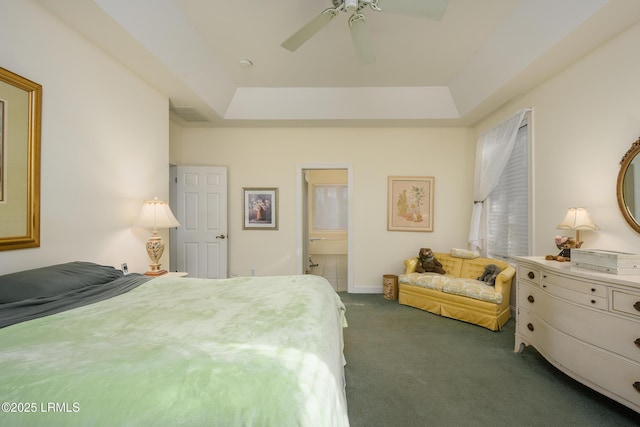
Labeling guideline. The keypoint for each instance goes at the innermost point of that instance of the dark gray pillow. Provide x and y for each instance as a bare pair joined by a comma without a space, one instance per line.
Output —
54,280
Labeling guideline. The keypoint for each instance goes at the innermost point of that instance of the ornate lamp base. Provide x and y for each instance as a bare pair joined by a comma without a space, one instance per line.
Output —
155,248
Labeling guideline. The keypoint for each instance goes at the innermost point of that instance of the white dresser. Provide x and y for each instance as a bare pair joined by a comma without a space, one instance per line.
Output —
584,322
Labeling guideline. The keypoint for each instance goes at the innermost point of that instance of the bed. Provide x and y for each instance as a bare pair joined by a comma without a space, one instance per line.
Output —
129,350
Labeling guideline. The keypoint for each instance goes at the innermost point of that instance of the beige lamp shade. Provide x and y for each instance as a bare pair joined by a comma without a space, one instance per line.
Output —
156,214
577,219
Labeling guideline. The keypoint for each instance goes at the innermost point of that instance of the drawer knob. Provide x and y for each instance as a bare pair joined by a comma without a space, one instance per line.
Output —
593,289
636,385
637,342
593,301
531,299
530,327
531,275
637,305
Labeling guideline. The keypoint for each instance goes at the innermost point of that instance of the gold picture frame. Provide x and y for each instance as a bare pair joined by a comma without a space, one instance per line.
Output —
410,203
20,161
260,208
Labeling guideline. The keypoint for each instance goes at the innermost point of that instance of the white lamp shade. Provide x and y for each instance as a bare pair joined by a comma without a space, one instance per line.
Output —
577,219
156,214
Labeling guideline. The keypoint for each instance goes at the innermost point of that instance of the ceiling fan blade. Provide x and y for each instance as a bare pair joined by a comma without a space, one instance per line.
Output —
426,9
361,40
298,38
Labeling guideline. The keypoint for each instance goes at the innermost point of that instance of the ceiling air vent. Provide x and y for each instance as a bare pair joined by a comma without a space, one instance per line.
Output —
188,114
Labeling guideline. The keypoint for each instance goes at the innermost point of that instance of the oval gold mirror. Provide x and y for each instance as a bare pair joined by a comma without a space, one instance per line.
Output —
20,115
628,187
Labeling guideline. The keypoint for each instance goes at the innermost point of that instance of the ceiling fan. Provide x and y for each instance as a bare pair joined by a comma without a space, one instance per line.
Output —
425,9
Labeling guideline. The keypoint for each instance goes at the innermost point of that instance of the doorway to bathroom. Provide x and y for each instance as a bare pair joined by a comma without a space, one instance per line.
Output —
324,223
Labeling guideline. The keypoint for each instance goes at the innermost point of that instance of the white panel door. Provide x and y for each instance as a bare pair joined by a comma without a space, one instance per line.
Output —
201,205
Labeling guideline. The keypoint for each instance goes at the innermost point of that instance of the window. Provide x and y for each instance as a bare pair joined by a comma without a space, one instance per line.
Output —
508,205
330,203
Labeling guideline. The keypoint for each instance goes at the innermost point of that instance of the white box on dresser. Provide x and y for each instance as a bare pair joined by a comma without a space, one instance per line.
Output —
584,322
606,261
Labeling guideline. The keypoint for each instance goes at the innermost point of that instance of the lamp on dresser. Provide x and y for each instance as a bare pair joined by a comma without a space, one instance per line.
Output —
577,219
156,214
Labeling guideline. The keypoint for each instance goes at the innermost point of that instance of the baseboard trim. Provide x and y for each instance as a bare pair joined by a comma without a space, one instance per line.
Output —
366,290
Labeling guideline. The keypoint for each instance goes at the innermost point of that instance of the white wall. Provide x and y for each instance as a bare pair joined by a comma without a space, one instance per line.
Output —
585,120
268,157
104,143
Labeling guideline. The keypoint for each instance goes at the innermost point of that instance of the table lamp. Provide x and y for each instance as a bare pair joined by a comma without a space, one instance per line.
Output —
156,214
577,219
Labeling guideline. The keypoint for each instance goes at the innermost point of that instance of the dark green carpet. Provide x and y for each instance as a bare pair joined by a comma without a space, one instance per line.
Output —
408,367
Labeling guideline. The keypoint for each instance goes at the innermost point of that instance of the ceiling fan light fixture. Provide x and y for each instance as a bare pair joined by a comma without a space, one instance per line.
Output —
351,5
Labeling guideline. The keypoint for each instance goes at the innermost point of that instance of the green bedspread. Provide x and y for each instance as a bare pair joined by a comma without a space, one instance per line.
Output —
259,351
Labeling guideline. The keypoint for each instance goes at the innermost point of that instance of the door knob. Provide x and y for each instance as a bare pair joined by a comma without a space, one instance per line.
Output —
221,236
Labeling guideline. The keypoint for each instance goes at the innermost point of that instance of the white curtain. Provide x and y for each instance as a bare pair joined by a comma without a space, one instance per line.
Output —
492,154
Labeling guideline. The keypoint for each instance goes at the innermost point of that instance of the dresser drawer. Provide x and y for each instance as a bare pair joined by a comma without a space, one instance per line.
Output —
530,297
626,302
601,329
526,326
575,285
529,274
606,372
577,297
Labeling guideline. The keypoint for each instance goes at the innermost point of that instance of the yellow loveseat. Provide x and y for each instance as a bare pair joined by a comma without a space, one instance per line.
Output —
458,294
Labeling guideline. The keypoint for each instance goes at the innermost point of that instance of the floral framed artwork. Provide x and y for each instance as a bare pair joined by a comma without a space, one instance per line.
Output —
410,203
260,209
